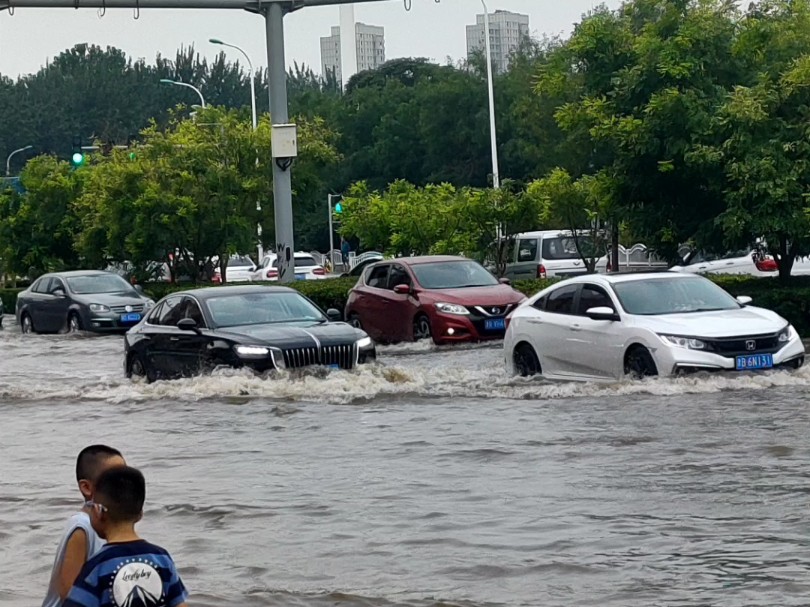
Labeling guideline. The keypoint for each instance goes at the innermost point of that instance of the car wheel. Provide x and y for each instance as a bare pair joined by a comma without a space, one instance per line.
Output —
74,323
421,328
526,362
639,363
139,371
354,320
27,325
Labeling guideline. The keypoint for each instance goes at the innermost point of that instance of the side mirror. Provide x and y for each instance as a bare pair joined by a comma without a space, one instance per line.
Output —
58,292
187,324
602,313
504,281
402,289
744,300
334,315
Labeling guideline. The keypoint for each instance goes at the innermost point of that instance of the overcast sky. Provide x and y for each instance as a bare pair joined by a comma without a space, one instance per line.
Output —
437,31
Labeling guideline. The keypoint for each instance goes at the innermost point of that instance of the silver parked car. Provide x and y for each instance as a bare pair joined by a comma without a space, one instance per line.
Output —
101,302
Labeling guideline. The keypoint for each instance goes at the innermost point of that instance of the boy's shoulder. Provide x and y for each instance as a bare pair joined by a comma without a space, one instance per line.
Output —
131,551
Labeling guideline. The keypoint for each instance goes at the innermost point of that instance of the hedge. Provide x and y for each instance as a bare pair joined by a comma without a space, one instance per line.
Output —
790,300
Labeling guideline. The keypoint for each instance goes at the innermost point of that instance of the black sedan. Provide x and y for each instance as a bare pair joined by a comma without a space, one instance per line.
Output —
89,300
262,328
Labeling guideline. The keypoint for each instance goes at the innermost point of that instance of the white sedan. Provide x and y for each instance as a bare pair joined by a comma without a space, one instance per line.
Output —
603,327
752,262
306,268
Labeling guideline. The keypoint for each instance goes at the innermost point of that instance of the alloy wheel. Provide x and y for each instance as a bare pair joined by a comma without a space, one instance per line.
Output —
27,325
639,363
526,362
74,324
354,320
421,328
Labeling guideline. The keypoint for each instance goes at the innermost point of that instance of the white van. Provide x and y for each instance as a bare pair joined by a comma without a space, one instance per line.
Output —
544,254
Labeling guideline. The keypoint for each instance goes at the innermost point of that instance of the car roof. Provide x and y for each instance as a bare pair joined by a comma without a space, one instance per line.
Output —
76,273
543,233
415,261
211,292
620,277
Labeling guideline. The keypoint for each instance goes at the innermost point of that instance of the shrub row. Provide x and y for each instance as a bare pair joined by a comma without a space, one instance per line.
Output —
791,300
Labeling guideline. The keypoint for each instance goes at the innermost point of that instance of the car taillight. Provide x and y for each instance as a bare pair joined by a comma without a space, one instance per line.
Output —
272,273
541,271
319,272
767,265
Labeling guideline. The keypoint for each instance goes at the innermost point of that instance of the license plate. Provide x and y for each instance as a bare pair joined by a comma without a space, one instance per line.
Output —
754,361
300,277
495,324
130,317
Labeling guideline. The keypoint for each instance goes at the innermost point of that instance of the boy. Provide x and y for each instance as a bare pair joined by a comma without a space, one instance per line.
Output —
128,571
79,542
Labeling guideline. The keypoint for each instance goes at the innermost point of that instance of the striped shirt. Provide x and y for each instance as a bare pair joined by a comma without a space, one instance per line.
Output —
128,574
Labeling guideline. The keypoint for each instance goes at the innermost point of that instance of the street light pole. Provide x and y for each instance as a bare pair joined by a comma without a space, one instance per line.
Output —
252,77
493,135
8,160
260,249
186,84
331,231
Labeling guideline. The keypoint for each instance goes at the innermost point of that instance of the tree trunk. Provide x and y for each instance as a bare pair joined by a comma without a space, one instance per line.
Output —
785,258
614,248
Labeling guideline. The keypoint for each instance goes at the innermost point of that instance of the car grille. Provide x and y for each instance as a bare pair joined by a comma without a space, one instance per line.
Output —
123,309
740,346
341,356
491,311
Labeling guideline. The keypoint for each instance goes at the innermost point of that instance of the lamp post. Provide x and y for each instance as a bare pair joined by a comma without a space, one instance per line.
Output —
252,79
493,136
8,160
186,84
255,117
331,231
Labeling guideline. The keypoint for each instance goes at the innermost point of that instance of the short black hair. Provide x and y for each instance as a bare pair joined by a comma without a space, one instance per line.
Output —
122,491
89,461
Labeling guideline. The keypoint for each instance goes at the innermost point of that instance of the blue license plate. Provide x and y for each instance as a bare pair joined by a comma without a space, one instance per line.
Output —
130,317
300,277
495,324
754,361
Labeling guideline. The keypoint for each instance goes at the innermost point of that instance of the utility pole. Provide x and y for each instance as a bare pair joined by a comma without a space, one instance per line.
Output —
273,12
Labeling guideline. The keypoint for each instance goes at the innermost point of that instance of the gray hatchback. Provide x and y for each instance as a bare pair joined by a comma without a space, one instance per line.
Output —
101,302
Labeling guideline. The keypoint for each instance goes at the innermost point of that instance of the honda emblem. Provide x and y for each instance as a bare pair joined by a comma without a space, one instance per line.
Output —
750,345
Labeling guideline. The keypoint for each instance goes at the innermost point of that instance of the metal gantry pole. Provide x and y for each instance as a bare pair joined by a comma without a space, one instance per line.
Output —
493,135
331,234
282,182
8,160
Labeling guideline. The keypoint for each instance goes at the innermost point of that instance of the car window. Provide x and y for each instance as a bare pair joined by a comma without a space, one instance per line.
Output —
172,312
561,248
540,304
240,262
41,285
561,301
56,283
592,296
191,309
398,276
527,249
154,315
378,277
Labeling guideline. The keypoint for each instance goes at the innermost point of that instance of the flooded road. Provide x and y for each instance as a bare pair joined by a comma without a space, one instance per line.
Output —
430,479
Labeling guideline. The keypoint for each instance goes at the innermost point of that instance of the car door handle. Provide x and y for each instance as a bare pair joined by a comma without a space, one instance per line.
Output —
575,328
536,321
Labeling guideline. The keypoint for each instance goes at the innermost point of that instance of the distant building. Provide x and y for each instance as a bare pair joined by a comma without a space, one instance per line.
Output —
507,31
370,41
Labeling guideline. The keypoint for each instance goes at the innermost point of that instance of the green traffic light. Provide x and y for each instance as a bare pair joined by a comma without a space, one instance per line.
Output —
132,156
338,208
78,158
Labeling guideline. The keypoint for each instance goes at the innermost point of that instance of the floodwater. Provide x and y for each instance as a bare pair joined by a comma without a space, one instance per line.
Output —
429,479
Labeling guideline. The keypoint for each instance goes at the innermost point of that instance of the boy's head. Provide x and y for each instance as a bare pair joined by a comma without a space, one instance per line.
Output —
119,497
91,463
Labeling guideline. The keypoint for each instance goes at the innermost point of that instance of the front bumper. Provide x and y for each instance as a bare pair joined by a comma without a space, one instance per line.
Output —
108,322
457,328
672,360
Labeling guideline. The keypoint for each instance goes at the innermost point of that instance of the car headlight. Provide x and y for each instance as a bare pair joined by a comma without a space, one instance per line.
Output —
364,343
787,334
450,308
99,308
252,351
691,343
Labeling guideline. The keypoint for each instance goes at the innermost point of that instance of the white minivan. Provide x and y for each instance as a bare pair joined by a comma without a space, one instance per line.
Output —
544,254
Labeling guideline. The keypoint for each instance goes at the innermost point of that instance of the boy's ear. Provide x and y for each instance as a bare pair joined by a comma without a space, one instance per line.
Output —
86,488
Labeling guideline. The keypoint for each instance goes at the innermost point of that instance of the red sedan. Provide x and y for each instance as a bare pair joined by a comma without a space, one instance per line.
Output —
448,299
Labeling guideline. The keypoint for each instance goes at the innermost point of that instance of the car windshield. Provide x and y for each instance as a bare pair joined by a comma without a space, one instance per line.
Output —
673,296
262,308
452,275
240,262
305,261
101,283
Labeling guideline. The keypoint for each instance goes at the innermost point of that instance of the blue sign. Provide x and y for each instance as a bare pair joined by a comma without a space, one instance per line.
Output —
13,183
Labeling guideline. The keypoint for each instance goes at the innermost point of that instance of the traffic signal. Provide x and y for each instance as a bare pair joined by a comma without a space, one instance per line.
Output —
77,157
338,208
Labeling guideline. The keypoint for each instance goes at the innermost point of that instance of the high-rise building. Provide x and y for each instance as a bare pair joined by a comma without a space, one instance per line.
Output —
507,31
370,43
